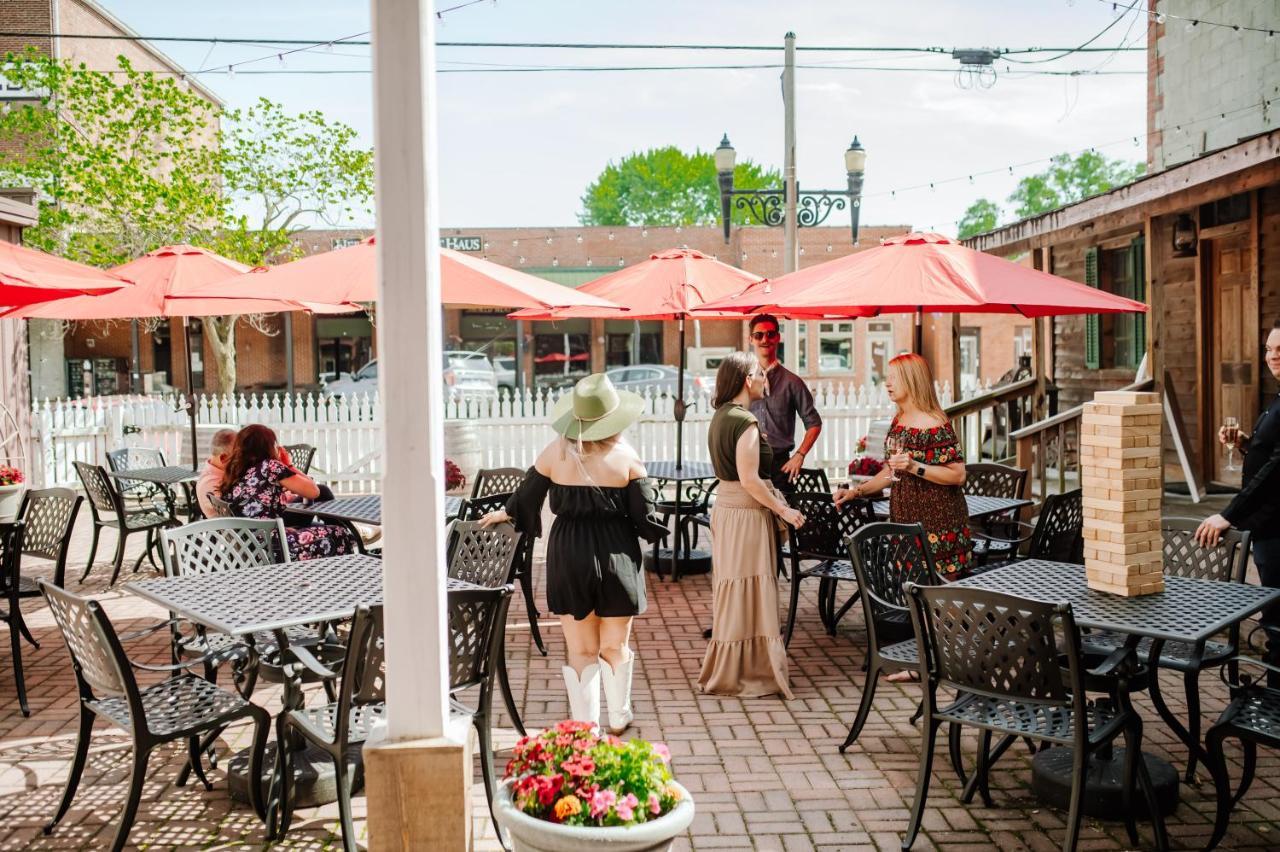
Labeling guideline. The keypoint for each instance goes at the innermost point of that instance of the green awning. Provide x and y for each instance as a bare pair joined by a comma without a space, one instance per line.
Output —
568,276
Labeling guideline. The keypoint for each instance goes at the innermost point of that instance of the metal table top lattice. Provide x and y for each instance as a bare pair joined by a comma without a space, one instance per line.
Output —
979,507
361,509
249,600
689,471
1187,610
169,475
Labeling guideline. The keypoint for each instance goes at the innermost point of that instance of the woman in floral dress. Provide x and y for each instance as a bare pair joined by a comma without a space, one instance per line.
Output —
258,479
929,465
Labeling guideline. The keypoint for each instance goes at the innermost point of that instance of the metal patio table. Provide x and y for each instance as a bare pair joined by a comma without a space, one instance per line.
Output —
270,599
688,477
363,509
166,477
1188,610
980,508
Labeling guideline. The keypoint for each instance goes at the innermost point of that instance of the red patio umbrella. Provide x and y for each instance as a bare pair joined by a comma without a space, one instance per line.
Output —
350,276
671,285
28,275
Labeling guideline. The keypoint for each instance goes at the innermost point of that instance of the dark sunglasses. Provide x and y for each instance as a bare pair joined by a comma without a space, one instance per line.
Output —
765,335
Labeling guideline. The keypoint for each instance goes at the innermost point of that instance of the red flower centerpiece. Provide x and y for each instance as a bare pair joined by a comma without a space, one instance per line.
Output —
453,476
11,490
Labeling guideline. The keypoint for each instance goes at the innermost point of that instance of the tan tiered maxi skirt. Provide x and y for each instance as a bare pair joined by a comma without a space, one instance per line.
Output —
746,657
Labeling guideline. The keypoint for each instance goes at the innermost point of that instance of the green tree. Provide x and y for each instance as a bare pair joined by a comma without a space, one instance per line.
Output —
666,187
126,162
981,217
1069,179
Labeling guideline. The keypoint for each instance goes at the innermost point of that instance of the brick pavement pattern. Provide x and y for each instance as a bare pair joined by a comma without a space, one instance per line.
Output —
765,773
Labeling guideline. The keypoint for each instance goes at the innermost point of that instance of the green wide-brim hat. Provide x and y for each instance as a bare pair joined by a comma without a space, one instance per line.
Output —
595,410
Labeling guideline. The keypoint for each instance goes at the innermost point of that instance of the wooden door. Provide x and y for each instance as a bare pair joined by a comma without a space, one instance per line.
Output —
1233,351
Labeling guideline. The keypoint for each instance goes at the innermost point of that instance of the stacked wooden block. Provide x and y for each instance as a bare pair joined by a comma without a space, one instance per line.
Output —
1120,473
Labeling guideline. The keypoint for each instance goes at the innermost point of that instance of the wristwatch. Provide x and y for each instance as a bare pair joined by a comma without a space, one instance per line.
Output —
920,471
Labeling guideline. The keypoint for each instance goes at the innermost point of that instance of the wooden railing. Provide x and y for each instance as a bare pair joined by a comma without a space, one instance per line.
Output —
1049,449
987,422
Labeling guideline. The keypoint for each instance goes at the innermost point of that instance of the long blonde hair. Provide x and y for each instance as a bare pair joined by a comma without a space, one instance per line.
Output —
917,380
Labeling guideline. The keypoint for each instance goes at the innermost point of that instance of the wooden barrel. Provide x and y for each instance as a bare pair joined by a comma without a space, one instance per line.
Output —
462,447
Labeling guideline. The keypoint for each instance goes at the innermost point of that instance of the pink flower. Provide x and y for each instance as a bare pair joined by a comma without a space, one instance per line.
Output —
626,807
661,750
601,801
655,805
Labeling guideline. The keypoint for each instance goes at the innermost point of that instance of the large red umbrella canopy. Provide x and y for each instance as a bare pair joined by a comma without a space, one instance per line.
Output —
923,272
28,276
157,275
670,285
349,276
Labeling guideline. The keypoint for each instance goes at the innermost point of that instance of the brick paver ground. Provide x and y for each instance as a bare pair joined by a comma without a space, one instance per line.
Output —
765,773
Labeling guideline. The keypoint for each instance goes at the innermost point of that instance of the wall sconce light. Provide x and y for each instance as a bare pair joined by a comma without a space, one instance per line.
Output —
1184,236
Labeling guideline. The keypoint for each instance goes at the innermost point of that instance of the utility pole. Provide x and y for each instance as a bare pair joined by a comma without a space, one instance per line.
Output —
790,244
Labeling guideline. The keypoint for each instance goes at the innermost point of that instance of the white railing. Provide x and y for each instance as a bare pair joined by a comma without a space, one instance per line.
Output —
346,431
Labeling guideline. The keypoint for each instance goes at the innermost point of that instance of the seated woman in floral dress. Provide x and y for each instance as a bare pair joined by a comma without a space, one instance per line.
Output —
257,484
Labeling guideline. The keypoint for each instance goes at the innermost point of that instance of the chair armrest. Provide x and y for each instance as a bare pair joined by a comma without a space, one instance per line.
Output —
183,664
147,631
1121,661
1245,680
311,663
1025,531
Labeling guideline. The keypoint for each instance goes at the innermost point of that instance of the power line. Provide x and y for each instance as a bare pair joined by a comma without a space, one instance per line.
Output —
1085,45
1161,17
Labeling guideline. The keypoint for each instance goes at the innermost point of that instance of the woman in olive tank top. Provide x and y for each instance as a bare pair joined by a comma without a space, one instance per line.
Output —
745,657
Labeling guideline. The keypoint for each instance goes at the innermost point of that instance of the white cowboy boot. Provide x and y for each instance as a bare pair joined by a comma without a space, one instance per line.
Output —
617,691
584,693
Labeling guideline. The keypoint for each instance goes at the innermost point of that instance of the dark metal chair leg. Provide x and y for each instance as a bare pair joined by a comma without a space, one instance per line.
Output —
343,782
261,728
15,646
77,769
137,777
953,750
504,683
119,557
795,601
16,613
1075,813
1131,755
978,783
929,736
194,751
1221,784
93,551
864,707
1191,684
1250,764
526,586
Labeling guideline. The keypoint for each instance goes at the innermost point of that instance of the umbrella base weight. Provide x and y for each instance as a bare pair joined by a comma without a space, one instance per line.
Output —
691,562
1104,790
314,781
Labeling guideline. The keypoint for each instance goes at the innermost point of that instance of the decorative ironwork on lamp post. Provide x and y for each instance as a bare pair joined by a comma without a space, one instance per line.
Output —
768,206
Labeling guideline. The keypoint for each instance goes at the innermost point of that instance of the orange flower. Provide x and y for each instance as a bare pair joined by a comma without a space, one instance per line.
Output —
568,806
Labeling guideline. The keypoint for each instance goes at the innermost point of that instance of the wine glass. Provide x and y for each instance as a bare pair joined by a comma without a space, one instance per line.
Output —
1232,427
893,444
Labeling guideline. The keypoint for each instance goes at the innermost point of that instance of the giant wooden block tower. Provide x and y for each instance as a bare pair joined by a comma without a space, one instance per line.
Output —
1120,474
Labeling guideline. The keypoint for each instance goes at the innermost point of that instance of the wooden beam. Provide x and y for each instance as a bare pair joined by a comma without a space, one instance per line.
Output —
1248,165
1039,403
956,383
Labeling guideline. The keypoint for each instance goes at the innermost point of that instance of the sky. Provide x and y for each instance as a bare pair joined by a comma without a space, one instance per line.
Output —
518,149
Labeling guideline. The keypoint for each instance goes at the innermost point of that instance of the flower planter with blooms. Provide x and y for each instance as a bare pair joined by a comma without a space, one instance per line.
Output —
11,489
453,476
571,787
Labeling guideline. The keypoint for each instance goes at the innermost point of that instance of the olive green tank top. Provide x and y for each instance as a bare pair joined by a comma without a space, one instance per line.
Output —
727,426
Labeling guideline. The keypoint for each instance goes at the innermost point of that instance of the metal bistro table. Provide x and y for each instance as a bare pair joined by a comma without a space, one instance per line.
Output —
361,509
1186,611
688,478
166,477
980,508
270,599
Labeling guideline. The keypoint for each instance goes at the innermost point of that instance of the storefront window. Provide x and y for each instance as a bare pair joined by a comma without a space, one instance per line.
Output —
630,342
879,346
345,344
561,352
835,347
802,344
970,349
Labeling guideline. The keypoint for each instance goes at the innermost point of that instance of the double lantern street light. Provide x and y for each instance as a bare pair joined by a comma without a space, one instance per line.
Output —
768,206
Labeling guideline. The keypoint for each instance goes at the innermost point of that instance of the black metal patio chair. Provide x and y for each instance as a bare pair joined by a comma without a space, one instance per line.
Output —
475,508
11,591
221,508
302,455
136,458
812,480
109,510
692,513
1058,533
822,540
1015,668
1000,532
181,707
50,516
1184,557
885,556
496,480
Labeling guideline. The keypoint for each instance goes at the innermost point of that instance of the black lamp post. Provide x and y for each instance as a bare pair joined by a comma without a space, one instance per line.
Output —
768,206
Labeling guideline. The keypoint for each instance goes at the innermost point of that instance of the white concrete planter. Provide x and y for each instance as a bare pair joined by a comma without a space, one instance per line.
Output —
534,835
11,500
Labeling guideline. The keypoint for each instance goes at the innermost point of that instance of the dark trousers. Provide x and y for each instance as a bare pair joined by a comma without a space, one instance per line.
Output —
1266,556
780,480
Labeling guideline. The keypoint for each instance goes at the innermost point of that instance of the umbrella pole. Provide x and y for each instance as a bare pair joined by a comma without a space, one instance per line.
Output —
917,334
191,391
679,408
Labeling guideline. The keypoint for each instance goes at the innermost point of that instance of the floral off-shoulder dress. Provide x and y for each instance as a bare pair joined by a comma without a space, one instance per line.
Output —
941,509
259,494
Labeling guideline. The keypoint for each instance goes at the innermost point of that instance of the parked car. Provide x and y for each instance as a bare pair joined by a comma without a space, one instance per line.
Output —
661,378
364,380
504,367
467,375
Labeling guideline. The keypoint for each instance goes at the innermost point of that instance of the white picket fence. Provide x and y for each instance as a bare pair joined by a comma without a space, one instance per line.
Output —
346,432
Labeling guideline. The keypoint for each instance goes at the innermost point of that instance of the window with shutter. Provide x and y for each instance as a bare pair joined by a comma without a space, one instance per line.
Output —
1092,325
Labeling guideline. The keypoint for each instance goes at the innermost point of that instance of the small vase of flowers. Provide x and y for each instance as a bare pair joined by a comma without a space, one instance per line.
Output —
571,788
12,486
454,478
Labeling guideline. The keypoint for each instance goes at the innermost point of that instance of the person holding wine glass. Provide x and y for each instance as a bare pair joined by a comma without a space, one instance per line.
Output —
925,467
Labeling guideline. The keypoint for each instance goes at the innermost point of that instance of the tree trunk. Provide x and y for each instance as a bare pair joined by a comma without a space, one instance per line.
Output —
221,332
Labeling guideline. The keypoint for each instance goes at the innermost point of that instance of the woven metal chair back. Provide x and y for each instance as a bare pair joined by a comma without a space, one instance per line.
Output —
826,526
988,479
475,508
134,458
221,508
97,485
364,672
302,455
100,663
496,480
812,480
49,515
886,557
475,634
998,645
223,544
11,535
1059,532
1184,557
486,557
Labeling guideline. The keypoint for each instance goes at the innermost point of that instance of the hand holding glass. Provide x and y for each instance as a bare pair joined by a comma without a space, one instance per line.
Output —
893,445
1231,426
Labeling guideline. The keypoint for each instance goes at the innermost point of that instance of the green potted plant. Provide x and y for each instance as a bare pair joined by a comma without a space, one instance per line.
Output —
11,488
571,788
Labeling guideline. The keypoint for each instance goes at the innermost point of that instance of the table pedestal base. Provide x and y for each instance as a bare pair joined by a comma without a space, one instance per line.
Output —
314,781
1103,793
692,562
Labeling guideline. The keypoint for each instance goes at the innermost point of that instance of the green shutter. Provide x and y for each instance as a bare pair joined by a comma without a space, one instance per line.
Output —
1092,328
1138,262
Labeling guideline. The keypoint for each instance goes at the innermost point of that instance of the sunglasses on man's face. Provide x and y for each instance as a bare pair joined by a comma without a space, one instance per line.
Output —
772,334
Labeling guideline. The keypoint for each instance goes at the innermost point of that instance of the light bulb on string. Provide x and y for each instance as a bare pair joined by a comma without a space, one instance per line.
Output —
621,261
611,236
579,239
522,260
280,56
1271,36
802,249
589,262
486,245
555,261
773,253
644,232
231,72
515,243
1160,18
1191,25
679,229
328,48
548,240
828,248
